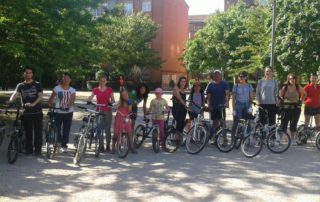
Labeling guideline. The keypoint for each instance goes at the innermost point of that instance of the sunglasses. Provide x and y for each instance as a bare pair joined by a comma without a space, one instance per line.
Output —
292,78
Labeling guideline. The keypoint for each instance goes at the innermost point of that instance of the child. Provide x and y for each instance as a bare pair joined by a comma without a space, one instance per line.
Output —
123,111
157,106
196,99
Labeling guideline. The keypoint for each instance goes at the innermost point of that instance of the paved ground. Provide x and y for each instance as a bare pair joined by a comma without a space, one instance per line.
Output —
208,176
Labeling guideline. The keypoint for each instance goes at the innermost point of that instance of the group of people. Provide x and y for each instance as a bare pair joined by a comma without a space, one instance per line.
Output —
268,95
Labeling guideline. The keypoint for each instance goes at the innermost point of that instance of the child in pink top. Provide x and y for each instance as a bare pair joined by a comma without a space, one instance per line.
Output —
124,110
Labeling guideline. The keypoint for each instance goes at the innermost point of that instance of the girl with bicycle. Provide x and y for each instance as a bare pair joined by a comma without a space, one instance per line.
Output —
196,100
292,94
124,109
157,107
138,95
104,95
242,93
179,107
65,96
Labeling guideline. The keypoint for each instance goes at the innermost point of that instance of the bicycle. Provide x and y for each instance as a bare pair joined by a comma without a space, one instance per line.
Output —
143,132
277,140
306,132
2,130
17,142
123,140
318,140
52,133
173,138
85,134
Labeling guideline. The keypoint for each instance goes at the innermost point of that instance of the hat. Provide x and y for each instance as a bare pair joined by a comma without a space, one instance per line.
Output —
158,90
217,71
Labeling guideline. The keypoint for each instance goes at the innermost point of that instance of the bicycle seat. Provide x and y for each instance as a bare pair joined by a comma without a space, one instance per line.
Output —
86,119
146,120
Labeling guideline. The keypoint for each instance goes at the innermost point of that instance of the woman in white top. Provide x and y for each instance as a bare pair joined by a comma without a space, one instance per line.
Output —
65,96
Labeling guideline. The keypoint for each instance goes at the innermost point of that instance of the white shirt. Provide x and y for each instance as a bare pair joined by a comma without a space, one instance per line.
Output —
63,97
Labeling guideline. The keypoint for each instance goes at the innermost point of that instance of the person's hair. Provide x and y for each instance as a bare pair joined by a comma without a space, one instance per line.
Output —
293,76
179,81
314,74
245,74
268,67
145,95
29,68
67,74
102,76
122,101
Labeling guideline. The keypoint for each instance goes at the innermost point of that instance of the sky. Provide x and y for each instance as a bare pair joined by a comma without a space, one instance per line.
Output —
199,7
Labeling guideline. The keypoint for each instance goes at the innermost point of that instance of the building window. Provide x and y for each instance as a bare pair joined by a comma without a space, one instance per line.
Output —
128,8
146,6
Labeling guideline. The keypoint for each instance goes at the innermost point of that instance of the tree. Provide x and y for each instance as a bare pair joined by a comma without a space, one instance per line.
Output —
126,42
235,40
298,37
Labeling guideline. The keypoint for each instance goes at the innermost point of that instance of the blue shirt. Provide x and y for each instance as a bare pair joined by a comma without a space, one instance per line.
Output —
218,93
242,92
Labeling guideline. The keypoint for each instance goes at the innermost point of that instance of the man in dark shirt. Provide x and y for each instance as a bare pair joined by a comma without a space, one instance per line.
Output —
30,92
217,94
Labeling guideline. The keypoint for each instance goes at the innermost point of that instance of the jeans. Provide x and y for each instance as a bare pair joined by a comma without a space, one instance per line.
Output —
33,124
64,119
241,110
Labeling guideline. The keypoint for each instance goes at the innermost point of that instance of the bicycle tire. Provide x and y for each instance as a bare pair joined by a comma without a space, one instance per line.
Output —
302,137
51,142
155,140
77,136
13,150
238,138
225,140
172,140
139,135
97,143
80,151
197,139
278,142
251,145
317,140
123,145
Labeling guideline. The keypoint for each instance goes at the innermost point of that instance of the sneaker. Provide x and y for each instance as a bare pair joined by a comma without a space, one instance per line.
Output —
63,150
294,142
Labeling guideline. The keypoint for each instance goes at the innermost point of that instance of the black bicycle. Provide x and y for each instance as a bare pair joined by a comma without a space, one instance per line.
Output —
52,132
17,143
173,138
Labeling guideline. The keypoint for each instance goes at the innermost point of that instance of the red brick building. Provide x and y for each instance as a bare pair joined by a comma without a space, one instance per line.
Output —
172,16
196,22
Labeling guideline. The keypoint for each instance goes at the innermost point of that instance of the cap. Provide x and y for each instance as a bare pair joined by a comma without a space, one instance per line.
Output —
158,90
217,71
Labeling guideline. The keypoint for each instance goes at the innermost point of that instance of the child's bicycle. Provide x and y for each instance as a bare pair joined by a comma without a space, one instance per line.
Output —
173,138
124,140
144,131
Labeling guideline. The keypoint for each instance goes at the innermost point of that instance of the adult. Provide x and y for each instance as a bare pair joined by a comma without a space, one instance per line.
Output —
138,95
312,100
292,94
104,95
267,93
217,94
242,93
30,92
65,96
179,106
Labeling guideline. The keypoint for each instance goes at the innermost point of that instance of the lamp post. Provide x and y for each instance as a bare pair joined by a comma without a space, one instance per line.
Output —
273,34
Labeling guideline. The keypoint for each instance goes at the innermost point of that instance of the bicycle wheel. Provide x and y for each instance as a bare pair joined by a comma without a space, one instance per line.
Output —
155,140
123,145
13,149
79,153
196,140
278,141
225,140
139,135
77,136
237,138
251,145
302,135
172,140
317,140
51,142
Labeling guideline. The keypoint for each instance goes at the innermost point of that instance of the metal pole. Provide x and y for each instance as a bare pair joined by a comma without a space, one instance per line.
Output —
273,34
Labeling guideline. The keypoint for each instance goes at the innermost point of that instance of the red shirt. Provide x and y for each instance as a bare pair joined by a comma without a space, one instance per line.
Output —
313,95
103,97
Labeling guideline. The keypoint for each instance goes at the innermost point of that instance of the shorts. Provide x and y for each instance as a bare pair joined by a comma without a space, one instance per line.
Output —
311,111
216,114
